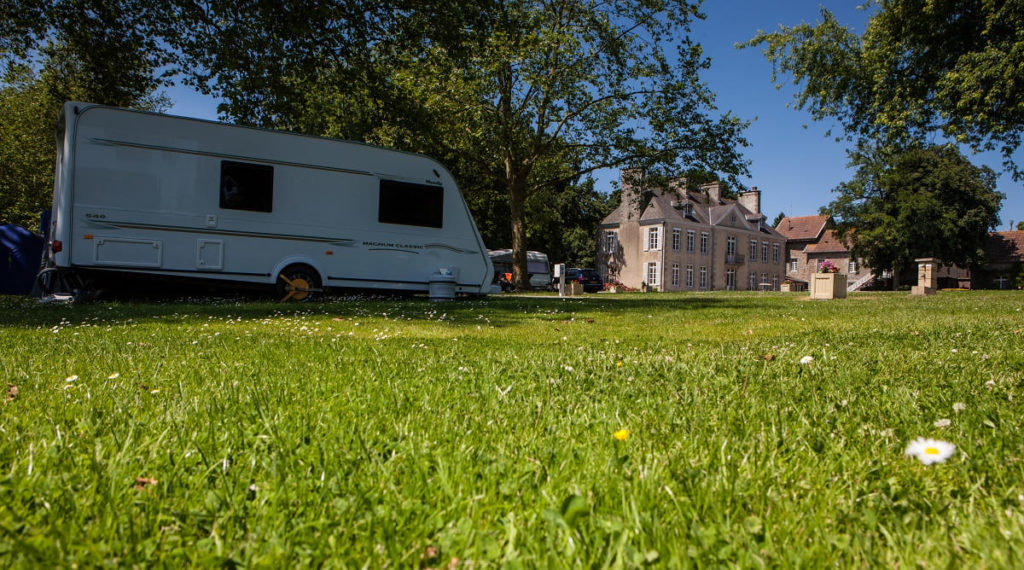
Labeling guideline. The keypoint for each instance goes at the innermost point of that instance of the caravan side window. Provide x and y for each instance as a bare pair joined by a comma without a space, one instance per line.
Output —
411,204
246,186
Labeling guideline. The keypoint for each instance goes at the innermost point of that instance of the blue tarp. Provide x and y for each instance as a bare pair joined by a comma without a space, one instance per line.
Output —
20,252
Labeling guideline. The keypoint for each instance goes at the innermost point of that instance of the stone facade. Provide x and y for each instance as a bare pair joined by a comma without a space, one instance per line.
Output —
689,241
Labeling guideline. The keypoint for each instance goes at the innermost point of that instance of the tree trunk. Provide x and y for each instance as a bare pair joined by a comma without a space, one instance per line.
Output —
517,203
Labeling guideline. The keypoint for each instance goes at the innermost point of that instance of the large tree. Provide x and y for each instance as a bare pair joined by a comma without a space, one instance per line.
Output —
920,67
540,93
925,201
554,90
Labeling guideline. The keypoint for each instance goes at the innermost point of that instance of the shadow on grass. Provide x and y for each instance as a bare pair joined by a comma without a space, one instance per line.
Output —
501,310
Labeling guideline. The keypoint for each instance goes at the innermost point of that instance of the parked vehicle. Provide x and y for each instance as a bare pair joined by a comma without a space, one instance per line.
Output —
537,267
590,279
149,194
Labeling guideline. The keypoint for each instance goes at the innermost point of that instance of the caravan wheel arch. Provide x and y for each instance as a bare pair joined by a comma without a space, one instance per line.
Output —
297,260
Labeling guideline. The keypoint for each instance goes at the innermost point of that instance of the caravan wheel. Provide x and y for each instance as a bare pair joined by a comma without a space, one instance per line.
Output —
298,283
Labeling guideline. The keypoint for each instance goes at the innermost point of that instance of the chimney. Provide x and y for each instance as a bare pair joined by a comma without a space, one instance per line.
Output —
751,200
632,184
714,191
678,185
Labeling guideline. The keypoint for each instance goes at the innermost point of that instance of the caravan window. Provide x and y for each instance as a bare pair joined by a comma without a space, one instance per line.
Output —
246,186
536,267
411,204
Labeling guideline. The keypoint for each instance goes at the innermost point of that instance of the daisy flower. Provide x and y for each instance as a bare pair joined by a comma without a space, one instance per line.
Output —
930,451
807,360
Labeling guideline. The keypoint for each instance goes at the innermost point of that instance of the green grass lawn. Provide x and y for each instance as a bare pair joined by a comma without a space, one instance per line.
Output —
478,433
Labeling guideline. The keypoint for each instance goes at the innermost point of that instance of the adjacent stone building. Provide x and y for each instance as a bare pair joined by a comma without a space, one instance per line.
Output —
1004,255
810,240
689,241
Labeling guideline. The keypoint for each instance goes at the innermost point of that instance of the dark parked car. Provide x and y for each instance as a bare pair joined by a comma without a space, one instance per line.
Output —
590,279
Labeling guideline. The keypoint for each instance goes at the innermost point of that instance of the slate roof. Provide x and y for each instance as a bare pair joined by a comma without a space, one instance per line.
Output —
829,243
1005,247
802,227
669,206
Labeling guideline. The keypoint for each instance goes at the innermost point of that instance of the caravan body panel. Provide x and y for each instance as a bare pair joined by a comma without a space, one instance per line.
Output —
148,193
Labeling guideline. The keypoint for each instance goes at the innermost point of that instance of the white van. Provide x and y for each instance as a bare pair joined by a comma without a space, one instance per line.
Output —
158,195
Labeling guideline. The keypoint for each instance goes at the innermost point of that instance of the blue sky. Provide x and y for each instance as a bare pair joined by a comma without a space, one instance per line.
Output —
793,163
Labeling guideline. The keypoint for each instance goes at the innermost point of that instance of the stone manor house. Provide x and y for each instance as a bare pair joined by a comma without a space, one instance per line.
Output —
683,240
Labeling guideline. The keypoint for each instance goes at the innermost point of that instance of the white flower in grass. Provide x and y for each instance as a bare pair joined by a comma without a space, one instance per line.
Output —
930,451
942,423
959,407
71,378
807,360
114,376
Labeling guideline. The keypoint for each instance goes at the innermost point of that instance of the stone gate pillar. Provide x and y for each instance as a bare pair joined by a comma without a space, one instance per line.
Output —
927,276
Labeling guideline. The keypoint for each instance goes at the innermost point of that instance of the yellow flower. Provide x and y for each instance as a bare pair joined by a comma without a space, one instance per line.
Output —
621,435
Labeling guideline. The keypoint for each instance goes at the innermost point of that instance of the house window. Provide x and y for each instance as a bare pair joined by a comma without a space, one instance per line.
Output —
775,281
852,269
753,281
652,274
792,265
653,239
753,250
703,277
730,247
689,276
411,204
690,239
775,253
764,252
730,280
246,186
611,242
676,238
703,243
764,278
675,274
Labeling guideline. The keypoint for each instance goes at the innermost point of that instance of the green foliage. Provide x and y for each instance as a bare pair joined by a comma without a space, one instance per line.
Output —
401,433
920,67
311,67
27,149
920,202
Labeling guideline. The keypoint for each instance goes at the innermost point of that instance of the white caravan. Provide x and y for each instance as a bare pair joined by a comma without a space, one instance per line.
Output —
145,193
537,267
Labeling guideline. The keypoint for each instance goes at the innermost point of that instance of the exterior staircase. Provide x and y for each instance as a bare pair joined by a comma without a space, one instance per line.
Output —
864,280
